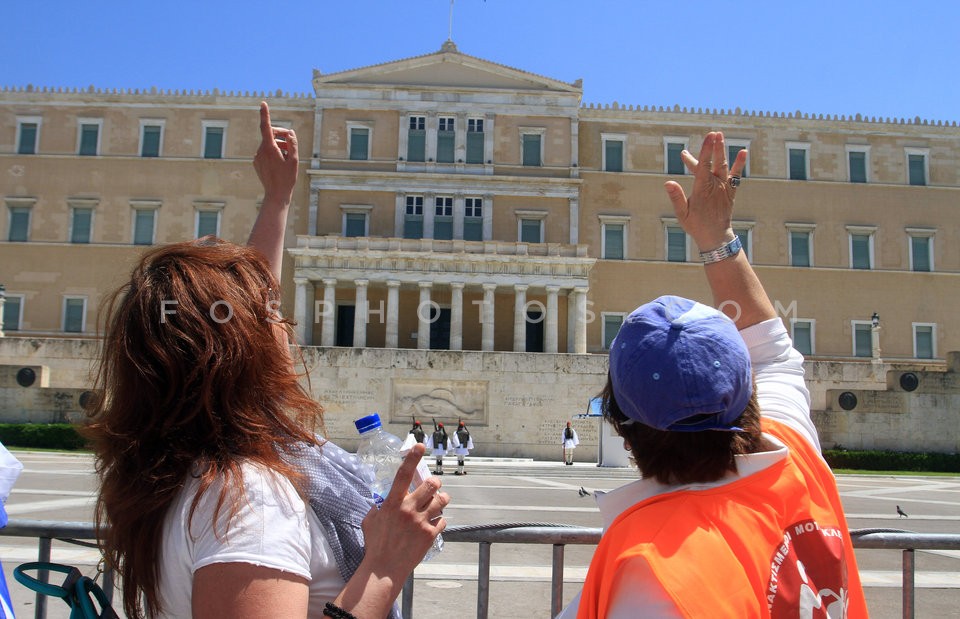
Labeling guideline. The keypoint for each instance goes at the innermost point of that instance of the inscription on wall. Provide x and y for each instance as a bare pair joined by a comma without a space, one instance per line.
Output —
345,396
588,430
445,401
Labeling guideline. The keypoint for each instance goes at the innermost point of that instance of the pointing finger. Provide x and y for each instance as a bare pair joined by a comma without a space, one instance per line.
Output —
739,164
404,476
266,132
677,198
719,156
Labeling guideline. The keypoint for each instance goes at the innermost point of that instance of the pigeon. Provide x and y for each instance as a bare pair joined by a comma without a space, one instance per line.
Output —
902,513
583,492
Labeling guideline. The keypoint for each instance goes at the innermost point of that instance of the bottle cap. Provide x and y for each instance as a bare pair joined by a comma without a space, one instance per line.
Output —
370,422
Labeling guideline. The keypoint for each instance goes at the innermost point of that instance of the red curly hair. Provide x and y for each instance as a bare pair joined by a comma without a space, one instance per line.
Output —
192,370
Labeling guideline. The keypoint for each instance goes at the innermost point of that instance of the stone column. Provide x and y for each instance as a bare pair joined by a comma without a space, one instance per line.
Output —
303,302
551,334
459,208
393,313
456,316
875,341
580,327
313,211
429,210
520,318
328,335
361,314
574,220
3,301
486,314
399,213
487,216
423,316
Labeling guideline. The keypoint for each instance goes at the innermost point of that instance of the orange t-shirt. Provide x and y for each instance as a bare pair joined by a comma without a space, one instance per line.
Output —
772,544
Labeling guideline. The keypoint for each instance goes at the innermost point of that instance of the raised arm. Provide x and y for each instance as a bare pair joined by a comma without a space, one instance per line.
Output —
276,163
706,216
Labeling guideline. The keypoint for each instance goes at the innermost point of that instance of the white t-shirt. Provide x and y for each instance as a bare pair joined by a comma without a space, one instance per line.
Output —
782,395
273,528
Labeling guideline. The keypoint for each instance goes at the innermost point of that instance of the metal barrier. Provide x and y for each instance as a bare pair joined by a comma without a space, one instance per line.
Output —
511,533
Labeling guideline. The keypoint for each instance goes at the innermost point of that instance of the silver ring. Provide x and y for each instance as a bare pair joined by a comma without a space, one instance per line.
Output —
734,181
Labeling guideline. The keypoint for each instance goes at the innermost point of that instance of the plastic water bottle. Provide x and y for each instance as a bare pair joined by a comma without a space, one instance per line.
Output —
382,453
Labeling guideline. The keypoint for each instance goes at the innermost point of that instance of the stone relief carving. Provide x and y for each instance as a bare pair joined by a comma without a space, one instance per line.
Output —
444,400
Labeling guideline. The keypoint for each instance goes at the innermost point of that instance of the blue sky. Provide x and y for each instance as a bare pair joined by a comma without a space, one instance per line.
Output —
878,58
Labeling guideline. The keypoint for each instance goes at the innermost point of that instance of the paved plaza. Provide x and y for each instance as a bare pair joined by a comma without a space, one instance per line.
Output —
60,487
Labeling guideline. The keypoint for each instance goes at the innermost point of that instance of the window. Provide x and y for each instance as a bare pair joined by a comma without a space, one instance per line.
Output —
734,146
532,145
473,219
12,312
18,230
475,140
214,139
88,136
744,231
611,325
358,137
861,246
81,224
801,244
446,139
798,161
917,165
613,242
862,339
802,335
443,218
858,158
531,231
355,224
74,314
413,218
417,139
151,137
144,222
672,147
355,219
924,340
207,220
676,242
28,134
612,151
530,226
921,248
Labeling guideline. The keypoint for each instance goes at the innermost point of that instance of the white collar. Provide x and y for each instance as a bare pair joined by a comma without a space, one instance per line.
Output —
613,503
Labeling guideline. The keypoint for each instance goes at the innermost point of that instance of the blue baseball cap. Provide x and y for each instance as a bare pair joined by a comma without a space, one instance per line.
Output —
681,366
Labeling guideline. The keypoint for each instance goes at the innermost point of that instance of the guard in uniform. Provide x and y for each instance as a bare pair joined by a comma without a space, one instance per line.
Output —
462,444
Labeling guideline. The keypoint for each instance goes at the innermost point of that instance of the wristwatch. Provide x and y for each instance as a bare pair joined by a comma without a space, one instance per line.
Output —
727,250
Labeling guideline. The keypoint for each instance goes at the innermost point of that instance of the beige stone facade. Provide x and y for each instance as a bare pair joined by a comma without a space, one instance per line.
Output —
453,203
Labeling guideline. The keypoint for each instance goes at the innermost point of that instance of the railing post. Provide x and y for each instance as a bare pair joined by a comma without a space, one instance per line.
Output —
483,581
108,585
406,604
556,581
908,583
43,555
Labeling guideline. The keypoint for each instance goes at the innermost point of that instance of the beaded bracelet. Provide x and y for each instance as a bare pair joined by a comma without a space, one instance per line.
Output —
332,610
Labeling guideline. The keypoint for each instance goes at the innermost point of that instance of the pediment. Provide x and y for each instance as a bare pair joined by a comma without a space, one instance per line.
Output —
448,69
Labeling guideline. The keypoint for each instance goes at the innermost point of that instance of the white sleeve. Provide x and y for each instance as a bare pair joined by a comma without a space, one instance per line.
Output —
778,369
271,528
635,587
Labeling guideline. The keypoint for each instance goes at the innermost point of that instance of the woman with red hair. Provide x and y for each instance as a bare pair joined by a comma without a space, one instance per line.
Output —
217,498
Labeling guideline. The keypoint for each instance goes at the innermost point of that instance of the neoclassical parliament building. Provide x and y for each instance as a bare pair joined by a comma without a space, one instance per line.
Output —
447,202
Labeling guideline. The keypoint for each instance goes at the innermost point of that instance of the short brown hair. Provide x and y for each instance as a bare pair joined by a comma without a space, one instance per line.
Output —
684,457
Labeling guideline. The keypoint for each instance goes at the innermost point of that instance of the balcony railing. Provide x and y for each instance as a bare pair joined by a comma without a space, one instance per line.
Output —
559,536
